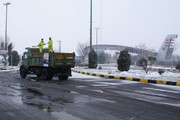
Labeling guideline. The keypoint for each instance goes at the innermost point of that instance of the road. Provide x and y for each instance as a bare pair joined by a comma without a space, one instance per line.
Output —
85,98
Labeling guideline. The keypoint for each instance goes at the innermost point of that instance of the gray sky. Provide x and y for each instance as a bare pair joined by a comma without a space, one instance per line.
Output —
121,22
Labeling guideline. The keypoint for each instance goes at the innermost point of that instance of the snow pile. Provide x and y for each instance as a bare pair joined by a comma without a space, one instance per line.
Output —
134,73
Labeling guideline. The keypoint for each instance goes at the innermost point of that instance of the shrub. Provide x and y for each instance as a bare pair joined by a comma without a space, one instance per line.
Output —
102,58
160,71
178,66
124,61
92,59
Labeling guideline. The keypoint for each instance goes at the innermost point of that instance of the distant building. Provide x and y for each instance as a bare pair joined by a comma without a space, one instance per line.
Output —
115,49
164,53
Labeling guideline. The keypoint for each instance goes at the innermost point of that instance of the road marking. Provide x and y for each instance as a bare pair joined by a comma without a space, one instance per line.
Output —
169,91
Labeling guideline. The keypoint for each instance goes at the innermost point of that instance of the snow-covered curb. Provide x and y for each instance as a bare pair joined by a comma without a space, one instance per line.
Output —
167,76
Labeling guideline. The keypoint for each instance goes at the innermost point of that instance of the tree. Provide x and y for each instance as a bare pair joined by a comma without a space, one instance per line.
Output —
124,61
144,47
8,46
143,62
15,58
102,58
178,66
93,58
81,49
152,60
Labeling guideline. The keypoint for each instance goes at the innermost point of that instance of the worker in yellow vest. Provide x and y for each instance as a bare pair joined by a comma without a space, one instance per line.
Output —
50,45
40,45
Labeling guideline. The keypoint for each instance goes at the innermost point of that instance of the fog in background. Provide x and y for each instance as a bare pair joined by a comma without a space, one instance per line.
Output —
121,22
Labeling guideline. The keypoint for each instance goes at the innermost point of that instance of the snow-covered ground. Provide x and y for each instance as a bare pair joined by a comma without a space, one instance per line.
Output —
134,73
8,68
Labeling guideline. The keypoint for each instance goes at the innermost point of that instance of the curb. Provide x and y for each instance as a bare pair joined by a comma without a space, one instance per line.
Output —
132,79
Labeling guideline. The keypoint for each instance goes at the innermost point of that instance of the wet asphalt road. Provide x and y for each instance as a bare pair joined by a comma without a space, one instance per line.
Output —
85,98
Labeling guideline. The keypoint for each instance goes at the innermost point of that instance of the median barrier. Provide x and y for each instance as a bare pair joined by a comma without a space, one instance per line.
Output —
131,79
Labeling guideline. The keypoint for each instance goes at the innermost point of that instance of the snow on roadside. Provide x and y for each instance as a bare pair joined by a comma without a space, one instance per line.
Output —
154,75
9,68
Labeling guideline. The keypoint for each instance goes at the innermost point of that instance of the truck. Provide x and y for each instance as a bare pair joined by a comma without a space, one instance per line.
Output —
46,65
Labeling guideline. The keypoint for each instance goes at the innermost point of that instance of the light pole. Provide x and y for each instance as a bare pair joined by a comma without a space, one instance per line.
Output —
90,25
6,4
96,37
59,46
5,44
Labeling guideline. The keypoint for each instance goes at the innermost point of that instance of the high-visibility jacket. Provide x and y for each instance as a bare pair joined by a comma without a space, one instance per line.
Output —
50,45
41,44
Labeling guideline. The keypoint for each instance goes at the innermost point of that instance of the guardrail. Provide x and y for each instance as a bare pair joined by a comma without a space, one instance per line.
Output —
132,79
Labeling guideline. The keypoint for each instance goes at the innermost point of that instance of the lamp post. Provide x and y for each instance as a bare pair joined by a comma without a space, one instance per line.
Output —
96,37
59,46
5,44
90,25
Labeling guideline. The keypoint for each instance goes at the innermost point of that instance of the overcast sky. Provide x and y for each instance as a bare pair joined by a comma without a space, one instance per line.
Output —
121,22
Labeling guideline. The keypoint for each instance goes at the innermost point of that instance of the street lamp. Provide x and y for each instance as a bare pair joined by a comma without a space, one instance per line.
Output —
59,45
96,37
90,25
6,4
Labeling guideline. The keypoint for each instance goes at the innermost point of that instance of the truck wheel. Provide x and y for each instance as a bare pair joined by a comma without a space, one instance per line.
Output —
38,75
23,72
45,75
63,77
50,76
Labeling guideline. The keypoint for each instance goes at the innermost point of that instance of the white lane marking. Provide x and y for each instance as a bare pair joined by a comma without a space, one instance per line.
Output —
149,93
80,86
169,91
98,91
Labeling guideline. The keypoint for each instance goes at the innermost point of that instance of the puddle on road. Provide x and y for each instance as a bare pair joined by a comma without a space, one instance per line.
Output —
34,91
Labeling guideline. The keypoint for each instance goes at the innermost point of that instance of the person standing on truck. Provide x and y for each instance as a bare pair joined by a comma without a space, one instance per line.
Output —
50,45
41,44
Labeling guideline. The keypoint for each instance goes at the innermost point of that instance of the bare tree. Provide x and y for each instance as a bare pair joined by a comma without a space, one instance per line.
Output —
176,58
81,49
141,46
7,44
1,43
144,47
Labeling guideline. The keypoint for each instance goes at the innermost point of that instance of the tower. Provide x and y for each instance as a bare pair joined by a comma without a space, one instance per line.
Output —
167,48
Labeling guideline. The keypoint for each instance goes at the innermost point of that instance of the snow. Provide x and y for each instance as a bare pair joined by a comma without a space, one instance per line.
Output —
134,73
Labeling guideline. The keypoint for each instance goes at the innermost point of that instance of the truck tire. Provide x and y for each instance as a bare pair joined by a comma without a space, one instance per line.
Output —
23,72
46,75
38,75
63,77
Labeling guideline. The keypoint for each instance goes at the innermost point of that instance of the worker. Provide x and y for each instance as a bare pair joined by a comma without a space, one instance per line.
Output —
50,45
41,44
